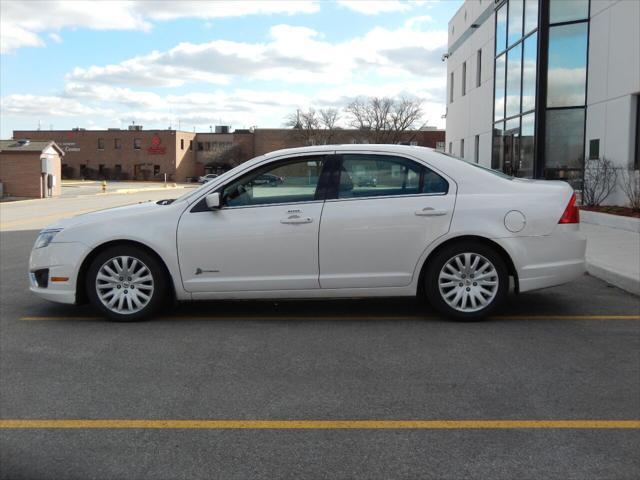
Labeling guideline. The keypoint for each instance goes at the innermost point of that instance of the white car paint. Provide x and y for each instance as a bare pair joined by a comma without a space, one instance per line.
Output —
361,247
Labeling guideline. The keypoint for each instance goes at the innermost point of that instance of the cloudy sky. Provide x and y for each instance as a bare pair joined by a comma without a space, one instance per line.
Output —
191,64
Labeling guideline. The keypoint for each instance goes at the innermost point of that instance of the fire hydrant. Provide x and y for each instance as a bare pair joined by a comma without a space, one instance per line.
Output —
104,186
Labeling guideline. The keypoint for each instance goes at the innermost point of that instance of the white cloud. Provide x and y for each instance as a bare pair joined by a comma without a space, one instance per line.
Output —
55,37
39,105
22,21
292,54
375,7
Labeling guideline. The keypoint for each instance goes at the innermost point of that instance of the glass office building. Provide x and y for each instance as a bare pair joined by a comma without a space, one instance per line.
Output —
552,89
532,58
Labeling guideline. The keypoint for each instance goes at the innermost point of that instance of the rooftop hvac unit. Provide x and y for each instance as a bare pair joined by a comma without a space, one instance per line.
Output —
135,127
222,128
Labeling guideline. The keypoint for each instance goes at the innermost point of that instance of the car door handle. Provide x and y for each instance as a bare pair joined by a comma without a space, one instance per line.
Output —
430,212
296,219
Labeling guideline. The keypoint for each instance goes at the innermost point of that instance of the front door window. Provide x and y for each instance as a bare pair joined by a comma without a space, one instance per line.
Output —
289,182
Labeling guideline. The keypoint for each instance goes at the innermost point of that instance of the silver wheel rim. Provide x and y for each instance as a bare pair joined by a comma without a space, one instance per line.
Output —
124,285
468,282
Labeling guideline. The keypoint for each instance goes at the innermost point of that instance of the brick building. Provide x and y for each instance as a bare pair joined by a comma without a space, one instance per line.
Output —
30,169
149,154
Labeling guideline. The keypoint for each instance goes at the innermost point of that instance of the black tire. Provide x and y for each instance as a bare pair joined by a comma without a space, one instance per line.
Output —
436,297
159,283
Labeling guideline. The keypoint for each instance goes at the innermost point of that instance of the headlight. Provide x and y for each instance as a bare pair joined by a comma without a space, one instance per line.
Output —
45,237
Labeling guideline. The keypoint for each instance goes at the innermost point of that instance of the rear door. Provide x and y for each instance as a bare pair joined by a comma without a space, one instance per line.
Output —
386,210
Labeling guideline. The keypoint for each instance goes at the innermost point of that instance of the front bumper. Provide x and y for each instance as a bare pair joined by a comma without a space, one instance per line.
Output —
62,260
549,260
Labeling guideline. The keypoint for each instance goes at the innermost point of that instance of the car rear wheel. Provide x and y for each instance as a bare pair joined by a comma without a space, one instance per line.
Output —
467,281
126,284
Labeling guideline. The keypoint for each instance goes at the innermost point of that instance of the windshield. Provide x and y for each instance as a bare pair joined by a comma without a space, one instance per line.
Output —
498,173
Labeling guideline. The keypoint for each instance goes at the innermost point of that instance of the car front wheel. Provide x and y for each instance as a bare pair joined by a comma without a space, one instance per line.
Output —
467,281
126,284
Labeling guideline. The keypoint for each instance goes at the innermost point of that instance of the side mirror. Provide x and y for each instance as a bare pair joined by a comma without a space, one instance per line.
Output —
213,201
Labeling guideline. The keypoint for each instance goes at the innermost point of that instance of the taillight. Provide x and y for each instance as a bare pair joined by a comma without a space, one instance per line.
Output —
571,213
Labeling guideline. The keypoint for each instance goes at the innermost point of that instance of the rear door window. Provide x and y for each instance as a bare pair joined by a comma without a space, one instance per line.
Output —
369,175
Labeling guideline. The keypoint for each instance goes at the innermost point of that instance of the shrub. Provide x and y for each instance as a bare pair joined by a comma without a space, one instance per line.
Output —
600,180
630,184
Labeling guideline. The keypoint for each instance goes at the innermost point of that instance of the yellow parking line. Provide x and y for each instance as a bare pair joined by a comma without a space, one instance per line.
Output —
347,317
321,424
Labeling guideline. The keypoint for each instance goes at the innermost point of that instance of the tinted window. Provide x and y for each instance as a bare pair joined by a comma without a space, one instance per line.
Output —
284,182
529,73
501,28
565,134
381,175
514,70
567,76
499,94
568,10
530,15
515,21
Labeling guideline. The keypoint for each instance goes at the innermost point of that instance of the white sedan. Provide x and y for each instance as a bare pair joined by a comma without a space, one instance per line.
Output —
431,225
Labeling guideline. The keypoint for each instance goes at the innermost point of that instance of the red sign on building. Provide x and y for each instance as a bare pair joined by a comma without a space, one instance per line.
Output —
156,148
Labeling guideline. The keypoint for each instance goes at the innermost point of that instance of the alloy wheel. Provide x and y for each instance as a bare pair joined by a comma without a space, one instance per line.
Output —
124,284
468,282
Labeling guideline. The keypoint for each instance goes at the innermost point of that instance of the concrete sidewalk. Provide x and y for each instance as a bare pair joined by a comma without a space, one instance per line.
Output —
613,255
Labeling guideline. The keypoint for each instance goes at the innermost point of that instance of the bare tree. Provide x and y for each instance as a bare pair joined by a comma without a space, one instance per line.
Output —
385,118
314,127
600,180
630,184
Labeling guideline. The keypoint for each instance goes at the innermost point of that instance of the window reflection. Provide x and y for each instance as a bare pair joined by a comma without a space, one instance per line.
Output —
525,166
499,93
567,76
568,10
515,21
530,15
564,143
511,149
514,70
501,28
529,73
497,157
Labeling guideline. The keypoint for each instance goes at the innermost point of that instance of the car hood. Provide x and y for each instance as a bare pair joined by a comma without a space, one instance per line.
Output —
107,214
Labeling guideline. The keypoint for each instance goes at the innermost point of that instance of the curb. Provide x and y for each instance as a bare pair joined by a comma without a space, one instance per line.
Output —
624,282
619,222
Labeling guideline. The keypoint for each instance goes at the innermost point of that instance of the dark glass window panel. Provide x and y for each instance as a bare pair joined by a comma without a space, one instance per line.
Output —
564,141
514,72
527,145
464,79
529,66
497,157
594,149
515,21
568,10
501,28
511,140
530,15
499,92
567,75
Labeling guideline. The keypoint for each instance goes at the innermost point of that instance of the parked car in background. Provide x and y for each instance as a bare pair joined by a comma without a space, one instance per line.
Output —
295,224
267,179
207,178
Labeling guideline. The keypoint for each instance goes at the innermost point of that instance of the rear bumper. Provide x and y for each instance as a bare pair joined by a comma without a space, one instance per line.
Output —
549,260
62,260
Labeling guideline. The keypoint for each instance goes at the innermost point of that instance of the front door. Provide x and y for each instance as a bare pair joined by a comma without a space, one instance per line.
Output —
387,211
265,236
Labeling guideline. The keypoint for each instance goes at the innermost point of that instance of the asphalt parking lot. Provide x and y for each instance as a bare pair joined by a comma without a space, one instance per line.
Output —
340,389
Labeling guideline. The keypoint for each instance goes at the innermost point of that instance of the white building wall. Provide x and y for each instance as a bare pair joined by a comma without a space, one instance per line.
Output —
614,81
471,114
